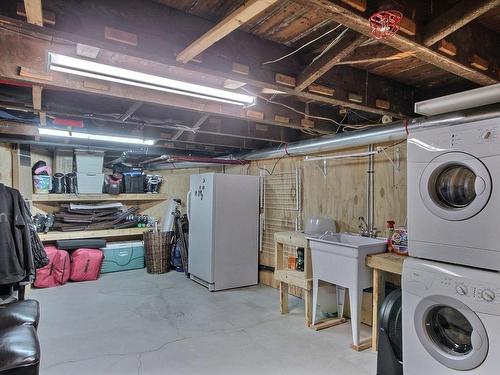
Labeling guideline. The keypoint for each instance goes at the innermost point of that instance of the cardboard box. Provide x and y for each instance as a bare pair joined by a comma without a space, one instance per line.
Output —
63,161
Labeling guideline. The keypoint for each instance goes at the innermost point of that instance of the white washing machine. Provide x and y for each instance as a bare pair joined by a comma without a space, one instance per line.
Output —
453,199
451,319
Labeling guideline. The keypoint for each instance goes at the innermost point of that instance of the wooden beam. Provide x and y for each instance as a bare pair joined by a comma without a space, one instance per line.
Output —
130,111
39,49
456,17
341,14
49,18
34,13
243,14
37,97
8,127
217,68
343,49
196,126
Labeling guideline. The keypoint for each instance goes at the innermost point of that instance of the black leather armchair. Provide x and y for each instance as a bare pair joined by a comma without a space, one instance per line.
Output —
19,346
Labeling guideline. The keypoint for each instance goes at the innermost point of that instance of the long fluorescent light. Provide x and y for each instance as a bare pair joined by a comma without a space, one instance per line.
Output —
81,67
462,100
95,137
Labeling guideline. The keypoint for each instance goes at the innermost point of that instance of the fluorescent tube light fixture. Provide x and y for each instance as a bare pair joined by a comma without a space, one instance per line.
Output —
95,137
81,67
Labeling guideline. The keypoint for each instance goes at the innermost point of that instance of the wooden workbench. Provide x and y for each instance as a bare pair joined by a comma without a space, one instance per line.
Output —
285,276
381,263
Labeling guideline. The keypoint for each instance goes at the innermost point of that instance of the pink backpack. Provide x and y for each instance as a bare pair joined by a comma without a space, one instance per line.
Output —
56,272
86,264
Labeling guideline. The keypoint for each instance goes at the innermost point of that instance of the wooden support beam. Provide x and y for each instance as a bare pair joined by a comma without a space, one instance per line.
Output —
233,21
343,49
49,18
120,36
34,13
341,14
215,68
130,111
37,97
37,104
196,126
456,17
39,49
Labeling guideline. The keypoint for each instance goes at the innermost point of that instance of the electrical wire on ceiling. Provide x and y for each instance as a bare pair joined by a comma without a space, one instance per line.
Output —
301,47
331,45
340,125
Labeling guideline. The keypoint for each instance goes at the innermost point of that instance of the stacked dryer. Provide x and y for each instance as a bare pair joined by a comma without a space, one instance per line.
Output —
451,295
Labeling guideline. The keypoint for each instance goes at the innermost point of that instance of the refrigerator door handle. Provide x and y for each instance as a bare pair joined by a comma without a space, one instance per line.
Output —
188,205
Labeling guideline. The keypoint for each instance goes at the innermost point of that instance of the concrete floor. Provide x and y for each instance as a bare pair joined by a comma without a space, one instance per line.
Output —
136,323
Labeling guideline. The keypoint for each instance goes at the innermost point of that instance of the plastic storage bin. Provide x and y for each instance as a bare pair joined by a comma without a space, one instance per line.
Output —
90,183
89,161
123,256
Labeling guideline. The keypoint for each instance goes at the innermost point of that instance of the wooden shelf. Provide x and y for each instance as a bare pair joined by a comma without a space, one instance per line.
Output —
49,198
108,233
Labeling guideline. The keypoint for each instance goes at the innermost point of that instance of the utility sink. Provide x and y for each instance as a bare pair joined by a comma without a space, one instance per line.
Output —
339,258
351,245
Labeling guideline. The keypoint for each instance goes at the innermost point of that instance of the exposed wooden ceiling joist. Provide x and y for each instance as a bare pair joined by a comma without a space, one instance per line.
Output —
456,17
219,65
196,126
341,13
350,41
130,111
243,14
35,62
34,13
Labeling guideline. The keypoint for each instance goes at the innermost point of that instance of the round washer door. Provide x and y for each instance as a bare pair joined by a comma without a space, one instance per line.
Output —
451,332
455,186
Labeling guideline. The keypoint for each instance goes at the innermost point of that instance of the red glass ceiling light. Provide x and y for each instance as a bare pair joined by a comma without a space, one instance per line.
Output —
385,23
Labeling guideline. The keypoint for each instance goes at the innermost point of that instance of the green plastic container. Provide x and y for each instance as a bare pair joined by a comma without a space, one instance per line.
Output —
123,256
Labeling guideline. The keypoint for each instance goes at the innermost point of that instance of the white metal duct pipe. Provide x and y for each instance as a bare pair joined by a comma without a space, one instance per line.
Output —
388,133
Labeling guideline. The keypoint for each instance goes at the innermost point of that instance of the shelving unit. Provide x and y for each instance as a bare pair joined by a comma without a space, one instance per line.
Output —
301,279
48,198
49,203
108,233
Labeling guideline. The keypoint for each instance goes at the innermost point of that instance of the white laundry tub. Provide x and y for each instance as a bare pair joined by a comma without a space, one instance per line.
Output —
340,259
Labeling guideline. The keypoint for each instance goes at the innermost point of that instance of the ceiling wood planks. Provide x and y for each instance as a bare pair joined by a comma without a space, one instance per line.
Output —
217,68
456,17
343,49
233,21
342,14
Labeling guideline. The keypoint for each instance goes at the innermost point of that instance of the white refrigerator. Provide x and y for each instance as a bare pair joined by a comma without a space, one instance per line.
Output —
223,213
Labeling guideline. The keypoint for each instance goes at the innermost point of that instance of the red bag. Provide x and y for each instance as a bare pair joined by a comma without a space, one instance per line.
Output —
56,272
86,264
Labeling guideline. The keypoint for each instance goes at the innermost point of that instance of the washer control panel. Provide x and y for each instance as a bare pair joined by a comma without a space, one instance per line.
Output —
471,290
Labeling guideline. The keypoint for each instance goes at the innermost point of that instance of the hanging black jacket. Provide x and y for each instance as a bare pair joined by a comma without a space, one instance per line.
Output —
16,256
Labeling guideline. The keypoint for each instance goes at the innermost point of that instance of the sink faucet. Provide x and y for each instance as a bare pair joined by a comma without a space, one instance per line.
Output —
365,230
363,227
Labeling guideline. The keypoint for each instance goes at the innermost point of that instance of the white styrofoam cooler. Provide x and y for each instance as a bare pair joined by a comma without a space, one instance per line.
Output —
90,183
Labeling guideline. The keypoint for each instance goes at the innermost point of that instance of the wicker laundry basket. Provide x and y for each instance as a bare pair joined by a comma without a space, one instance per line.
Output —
157,251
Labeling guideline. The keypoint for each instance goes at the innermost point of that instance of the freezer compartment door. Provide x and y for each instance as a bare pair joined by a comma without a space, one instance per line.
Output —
201,227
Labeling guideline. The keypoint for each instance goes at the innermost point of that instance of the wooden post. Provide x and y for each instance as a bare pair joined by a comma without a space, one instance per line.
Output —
378,297
283,297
